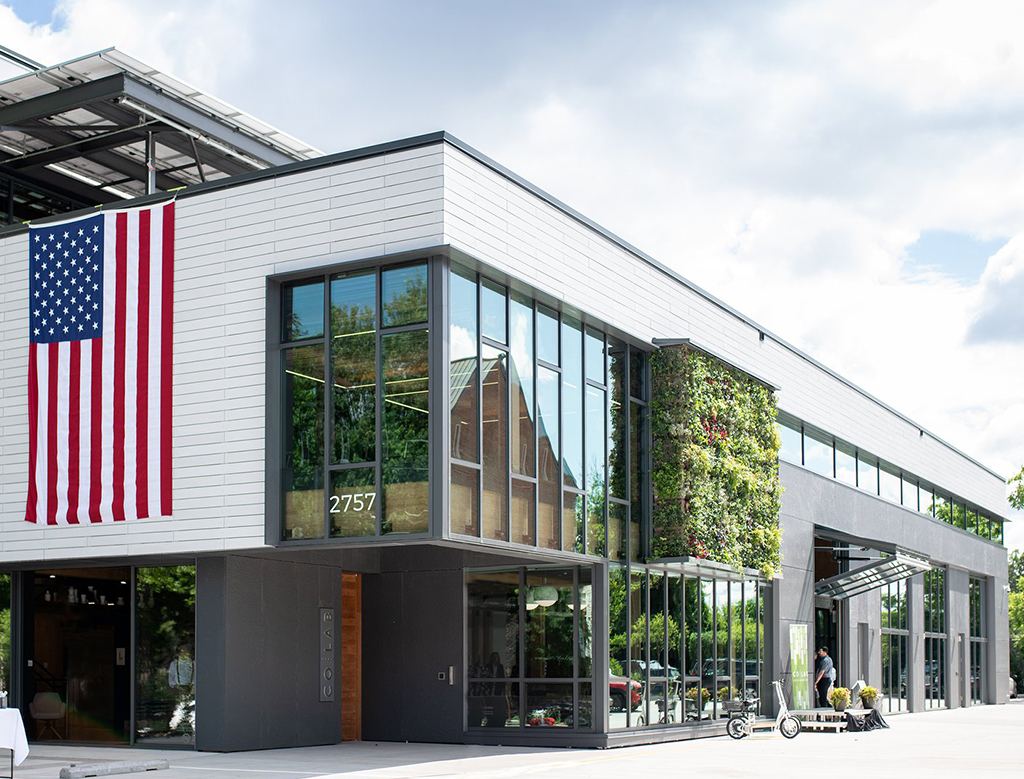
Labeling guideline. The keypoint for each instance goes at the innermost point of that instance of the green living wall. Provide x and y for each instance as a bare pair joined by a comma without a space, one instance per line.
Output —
715,468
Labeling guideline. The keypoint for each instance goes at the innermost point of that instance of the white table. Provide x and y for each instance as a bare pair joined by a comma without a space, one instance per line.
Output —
12,736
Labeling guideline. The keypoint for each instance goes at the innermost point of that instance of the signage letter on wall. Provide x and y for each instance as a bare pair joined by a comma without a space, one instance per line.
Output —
326,682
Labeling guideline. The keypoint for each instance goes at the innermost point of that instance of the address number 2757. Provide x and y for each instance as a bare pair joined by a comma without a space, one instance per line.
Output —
356,501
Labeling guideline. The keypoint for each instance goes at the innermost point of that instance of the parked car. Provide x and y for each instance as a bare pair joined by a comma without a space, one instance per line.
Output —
617,693
1013,688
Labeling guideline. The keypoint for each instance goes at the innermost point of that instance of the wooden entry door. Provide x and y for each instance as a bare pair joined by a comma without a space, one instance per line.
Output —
351,657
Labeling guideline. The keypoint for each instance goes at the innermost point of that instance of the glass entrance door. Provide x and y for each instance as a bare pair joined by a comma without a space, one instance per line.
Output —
77,682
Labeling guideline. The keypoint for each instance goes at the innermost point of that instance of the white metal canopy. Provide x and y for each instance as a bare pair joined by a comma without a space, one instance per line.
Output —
899,565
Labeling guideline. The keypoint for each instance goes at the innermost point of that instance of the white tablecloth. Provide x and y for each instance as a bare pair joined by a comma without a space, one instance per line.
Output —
12,734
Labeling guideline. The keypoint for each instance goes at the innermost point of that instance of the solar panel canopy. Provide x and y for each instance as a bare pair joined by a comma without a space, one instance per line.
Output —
107,127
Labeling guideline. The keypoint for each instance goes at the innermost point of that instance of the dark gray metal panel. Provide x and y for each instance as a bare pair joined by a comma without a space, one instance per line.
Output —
211,652
383,652
258,648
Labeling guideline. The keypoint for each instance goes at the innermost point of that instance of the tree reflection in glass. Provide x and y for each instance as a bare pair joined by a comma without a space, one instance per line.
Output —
302,482
405,433
354,363
165,655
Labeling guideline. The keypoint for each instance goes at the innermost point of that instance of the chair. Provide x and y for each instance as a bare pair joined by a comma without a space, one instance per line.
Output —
47,707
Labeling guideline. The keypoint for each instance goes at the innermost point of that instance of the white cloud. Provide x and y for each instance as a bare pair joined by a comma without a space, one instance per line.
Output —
782,155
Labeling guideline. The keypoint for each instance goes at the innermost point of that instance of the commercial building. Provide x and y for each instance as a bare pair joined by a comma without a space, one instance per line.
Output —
464,539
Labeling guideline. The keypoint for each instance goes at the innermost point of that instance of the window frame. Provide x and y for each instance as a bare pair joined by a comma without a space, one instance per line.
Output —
437,428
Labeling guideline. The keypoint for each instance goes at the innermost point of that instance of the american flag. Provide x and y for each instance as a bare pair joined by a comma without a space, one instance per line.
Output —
99,367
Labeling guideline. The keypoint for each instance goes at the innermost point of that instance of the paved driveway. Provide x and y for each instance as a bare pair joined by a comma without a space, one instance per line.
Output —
985,742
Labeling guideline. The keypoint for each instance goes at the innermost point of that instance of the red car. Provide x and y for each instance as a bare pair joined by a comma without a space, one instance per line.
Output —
617,693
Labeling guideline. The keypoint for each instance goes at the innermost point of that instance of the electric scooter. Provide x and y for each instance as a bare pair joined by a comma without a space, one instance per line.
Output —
743,718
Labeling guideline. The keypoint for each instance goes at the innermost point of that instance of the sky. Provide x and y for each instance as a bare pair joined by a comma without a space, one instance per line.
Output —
849,175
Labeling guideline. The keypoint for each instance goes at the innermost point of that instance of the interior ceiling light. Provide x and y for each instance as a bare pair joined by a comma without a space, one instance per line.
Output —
545,595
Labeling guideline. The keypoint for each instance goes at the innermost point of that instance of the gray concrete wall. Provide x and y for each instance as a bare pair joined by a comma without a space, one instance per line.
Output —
257,653
811,501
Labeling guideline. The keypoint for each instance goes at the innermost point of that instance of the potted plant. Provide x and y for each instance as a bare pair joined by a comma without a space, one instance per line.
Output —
868,695
839,697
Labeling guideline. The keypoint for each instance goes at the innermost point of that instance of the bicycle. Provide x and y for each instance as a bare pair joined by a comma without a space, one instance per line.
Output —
743,717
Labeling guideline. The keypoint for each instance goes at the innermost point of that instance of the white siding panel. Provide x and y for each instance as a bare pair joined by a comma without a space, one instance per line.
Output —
227,243
516,232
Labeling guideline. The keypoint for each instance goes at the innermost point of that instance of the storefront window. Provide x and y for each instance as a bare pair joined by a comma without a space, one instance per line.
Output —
5,633
543,661
978,640
165,618
895,635
935,638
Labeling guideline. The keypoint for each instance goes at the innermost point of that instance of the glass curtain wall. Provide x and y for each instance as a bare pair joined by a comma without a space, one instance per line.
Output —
828,456
530,648
935,638
548,423
895,639
165,650
978,640
681,646
355,461
5,633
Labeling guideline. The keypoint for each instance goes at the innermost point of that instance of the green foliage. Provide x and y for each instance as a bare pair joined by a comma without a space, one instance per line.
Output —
868,695
1016,615
714,463
1017,496
1015,571
839,697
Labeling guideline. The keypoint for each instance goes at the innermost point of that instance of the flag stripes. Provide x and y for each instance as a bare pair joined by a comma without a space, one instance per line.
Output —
100,406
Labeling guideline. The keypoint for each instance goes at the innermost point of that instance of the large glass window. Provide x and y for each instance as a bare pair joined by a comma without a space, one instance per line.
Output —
895,638
495,443
371,474
978,640
790,437
542,658
5,632
890,484
846,464
165,619
867,473
548,458
303,469
818,452
690,645
302,314
563,440
935,638
354,367
910,493
822,453
405,432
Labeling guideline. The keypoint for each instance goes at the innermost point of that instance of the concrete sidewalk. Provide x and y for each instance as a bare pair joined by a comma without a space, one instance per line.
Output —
986,742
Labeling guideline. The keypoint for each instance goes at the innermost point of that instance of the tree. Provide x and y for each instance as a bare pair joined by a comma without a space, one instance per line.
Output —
1017,496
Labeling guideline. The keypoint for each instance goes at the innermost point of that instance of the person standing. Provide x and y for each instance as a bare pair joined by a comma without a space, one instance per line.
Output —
826,676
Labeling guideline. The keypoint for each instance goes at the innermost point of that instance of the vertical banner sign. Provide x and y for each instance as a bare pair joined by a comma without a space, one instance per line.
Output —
798,665
326,682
